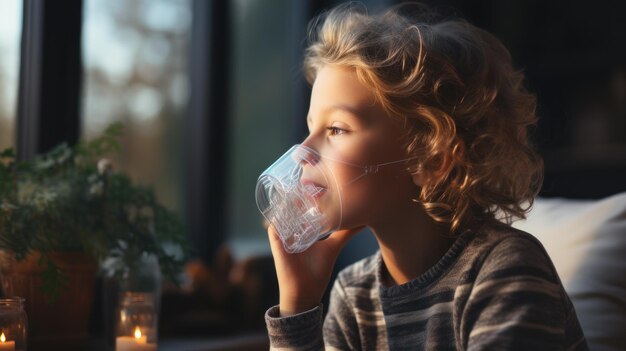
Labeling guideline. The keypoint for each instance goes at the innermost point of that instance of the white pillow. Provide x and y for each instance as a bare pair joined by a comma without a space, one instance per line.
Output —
587,243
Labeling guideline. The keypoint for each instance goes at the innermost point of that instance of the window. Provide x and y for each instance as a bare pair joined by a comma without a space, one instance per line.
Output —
10,35
135,71
262,107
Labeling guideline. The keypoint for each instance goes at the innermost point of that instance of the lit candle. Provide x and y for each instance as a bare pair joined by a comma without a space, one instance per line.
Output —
6,345
134,343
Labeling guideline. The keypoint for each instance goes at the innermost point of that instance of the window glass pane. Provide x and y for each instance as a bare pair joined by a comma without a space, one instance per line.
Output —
135,71
10,36
262,125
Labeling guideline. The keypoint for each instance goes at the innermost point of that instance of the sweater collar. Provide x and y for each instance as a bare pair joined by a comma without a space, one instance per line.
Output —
428,277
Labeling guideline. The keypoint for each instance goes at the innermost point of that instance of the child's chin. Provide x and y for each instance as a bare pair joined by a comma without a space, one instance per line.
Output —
332,222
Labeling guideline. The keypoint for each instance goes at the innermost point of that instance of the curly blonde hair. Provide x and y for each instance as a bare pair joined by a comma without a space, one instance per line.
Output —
466,111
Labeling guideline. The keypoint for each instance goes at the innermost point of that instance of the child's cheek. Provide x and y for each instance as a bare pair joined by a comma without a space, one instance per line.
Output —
356,202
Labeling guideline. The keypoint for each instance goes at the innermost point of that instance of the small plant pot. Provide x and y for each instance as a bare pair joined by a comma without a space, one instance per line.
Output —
61,324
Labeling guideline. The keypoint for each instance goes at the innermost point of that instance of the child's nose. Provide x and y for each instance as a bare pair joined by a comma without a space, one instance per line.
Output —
306,154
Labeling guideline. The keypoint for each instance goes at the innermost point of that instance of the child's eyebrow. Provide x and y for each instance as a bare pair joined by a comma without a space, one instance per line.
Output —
338,107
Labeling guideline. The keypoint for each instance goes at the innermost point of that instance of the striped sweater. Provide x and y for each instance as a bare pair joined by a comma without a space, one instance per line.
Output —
493,290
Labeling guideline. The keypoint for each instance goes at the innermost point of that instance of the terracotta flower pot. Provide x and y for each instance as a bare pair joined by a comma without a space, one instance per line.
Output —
63,323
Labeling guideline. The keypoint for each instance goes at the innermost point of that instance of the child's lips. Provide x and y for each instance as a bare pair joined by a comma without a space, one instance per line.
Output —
314,189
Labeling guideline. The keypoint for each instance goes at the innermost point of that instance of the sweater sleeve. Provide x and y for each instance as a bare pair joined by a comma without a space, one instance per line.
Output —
304,331
341,331
518,303
301,331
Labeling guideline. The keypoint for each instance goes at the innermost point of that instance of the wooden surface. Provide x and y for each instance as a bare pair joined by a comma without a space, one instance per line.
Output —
245,342
250,342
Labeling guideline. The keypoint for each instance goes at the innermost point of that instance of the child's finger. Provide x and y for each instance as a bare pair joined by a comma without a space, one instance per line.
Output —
275,243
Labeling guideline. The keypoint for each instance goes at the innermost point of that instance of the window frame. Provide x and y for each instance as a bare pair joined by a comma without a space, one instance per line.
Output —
50,95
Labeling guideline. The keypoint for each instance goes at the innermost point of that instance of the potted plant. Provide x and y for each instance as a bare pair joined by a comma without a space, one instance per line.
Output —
61,214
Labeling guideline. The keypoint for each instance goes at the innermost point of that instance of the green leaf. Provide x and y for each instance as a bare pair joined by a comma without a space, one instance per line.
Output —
58,201
7,153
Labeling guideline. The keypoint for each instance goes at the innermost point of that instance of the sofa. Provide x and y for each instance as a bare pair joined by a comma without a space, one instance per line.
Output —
586,240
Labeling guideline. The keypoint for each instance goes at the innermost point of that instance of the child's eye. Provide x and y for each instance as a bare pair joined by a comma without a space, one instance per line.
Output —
336,130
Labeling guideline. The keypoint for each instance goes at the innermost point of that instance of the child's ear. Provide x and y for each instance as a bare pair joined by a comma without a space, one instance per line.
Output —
419,175
434,171
419,178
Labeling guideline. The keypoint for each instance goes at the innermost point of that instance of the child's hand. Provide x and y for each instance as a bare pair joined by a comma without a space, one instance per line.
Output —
303,277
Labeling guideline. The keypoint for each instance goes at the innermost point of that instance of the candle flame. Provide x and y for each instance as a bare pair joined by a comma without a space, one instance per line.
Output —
3,338
137,333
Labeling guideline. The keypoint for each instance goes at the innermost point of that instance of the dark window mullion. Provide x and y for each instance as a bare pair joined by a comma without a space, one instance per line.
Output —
206,134
50,76
29,94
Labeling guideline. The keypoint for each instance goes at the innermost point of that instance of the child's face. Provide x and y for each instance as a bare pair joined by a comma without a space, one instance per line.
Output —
346,123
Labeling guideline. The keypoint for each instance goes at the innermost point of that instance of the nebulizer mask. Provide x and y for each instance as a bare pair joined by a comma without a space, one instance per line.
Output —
301,197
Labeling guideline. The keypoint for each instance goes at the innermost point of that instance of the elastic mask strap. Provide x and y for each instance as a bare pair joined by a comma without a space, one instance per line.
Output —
367,170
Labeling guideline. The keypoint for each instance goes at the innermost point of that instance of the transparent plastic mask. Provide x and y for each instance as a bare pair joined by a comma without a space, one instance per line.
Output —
300,196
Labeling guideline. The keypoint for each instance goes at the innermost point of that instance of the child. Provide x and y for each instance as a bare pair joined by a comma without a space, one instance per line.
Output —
450,274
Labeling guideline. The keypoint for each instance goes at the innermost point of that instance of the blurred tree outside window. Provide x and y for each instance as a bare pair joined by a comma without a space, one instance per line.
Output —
135,57
10,36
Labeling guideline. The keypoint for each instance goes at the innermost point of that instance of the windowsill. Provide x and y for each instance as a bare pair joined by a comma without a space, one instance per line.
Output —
252,341
245,247
245,342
